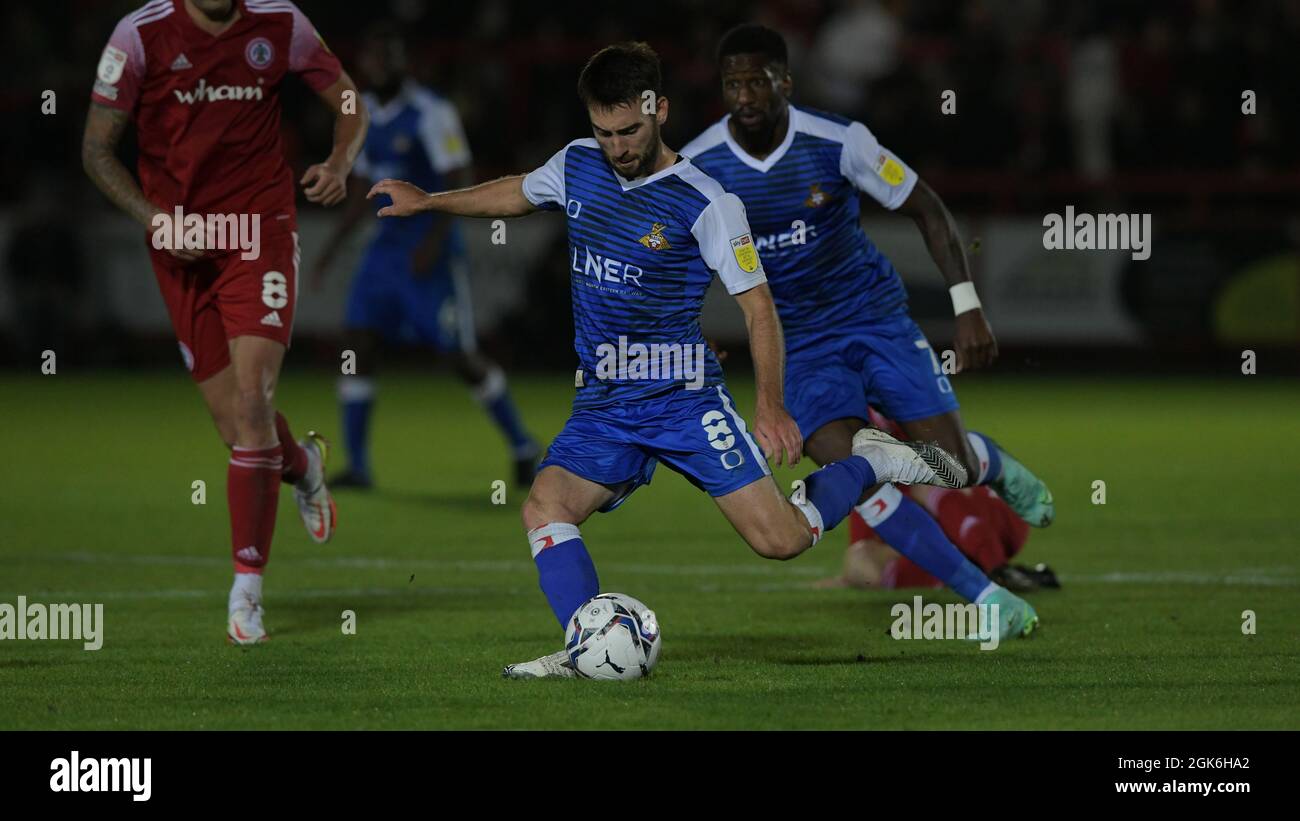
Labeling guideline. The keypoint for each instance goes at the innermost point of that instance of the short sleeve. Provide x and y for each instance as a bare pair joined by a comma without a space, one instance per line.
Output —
309,57
121,68
544,187
444,137
727,246
874,169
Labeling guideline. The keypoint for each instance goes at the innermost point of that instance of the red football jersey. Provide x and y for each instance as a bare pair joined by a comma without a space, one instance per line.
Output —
207,109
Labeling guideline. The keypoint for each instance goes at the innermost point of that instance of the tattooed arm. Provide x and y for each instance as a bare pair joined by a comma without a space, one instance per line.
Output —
104,129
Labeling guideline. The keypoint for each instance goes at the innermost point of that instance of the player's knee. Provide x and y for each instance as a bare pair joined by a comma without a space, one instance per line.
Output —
252,408
537,511
780,545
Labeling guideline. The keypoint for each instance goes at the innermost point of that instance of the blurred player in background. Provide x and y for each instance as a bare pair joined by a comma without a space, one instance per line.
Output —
411,285
849,338
201,80
647,233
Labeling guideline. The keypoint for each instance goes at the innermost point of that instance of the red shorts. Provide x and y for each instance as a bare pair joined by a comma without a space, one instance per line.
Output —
220,297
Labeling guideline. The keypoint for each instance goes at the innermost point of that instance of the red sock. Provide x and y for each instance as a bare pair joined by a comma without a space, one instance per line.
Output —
295,458
252,491
963,520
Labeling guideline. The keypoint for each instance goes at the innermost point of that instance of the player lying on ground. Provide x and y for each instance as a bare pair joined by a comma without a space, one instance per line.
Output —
979,523
411,285
647,232
988,532
849,338
201,79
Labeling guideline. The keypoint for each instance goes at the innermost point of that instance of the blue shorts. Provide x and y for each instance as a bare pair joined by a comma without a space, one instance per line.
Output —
694,432
888,364
432,310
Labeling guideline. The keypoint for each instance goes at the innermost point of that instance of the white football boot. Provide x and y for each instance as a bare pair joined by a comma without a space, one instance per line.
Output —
244,622
315,504
908,463
556,665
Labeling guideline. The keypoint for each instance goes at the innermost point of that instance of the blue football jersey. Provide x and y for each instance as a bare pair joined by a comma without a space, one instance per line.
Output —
802,202
641,255
416,136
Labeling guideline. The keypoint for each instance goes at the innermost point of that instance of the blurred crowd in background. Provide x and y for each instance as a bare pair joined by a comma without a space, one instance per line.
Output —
1094,88
1118,104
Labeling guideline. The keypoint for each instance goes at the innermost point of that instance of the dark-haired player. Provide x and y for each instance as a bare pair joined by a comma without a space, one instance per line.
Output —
647,232
201,80
849,338
412,282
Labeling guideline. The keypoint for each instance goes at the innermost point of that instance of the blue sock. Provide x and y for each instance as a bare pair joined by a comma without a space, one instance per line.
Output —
990,458
907,528
493,395
833,490
565,571
357,397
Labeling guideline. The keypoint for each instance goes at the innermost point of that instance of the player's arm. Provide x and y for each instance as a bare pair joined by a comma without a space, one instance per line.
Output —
879,173
976,346
776,432
727,247
326,182
99,143
499,198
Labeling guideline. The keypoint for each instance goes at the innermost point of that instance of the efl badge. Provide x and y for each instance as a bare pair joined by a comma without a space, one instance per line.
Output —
259,53
889,169
655,240
746,254
816,196
111,65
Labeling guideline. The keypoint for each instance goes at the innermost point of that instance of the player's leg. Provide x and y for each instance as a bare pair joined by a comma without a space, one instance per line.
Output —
899,521
445,318
906,381
356,392
776,527
988,464
253,476
373,312
557,505
587,468
487,382
902,377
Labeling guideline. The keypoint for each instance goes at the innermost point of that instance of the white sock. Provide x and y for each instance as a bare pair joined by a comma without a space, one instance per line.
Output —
880,505
981,456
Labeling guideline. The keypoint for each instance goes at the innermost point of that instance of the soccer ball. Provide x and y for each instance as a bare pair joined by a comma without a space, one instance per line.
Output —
613,636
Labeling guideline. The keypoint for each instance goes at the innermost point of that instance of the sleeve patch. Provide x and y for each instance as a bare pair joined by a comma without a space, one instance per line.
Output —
746,255
111,65
889,169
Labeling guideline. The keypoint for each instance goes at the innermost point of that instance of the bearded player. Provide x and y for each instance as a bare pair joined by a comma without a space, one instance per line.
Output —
849,337
647,233
201,80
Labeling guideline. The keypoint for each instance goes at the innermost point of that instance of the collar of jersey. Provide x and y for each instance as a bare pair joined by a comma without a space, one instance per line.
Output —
383,113
764,165
628,185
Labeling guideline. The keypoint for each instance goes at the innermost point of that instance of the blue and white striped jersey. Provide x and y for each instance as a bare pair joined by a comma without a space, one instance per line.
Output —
416,136
802,201
641,255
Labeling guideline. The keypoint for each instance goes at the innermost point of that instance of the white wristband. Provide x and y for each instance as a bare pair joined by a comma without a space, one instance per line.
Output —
964,298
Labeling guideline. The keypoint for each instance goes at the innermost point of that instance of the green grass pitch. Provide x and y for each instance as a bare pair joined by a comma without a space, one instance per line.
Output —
1199,525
